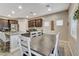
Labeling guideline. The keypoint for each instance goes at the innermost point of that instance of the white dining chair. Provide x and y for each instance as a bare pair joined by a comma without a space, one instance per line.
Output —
25,41
56,48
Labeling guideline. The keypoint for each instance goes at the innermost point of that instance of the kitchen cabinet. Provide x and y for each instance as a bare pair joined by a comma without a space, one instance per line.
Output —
35,23
38,23
31,23
5,46
13,22
3,24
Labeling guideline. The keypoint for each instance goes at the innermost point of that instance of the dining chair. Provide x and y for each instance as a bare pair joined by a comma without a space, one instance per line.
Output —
56,48
25,41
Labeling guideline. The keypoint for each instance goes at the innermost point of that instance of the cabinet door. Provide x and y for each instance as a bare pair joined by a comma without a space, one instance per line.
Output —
33,23
38,23
13,22
29,24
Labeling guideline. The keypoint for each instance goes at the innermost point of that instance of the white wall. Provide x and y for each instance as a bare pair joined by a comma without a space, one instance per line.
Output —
47,29
57,16
23,25
74,43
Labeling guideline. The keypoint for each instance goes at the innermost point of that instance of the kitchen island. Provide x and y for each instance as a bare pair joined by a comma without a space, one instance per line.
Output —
12,40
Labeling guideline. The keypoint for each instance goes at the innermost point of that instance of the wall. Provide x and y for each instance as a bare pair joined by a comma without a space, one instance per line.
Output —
74,43
57,16
23,25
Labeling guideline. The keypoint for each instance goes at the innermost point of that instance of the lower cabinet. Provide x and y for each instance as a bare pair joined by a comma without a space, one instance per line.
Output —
5,46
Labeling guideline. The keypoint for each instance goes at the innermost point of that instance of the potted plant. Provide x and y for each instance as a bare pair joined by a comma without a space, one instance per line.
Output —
76,17
76,14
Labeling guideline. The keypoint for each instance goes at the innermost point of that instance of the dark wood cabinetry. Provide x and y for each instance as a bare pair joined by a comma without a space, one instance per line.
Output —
38,22
5,46
13,21
52,25
35,23
31,23
5,25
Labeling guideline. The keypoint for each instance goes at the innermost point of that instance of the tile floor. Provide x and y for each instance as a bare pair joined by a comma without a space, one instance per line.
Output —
43,44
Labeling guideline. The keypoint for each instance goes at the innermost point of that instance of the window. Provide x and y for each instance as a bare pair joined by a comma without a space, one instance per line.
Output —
74,28
59,22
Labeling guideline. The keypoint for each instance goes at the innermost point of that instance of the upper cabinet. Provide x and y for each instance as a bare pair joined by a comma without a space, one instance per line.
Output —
13,21
5,25
13,25
38,22
35,23
31,23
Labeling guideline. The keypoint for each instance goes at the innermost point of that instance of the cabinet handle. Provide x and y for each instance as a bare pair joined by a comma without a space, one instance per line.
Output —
21,40
17,42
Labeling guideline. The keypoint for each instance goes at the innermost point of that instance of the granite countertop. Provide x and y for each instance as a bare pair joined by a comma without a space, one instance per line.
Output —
43,44
26,34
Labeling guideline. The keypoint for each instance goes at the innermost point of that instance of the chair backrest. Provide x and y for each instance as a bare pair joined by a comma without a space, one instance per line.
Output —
26,42
2,36
33,34
56,45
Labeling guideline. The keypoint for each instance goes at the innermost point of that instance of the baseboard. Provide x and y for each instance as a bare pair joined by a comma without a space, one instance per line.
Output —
14,50
70,48
68,44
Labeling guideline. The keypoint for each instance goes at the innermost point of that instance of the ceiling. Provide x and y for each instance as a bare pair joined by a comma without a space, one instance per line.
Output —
28,9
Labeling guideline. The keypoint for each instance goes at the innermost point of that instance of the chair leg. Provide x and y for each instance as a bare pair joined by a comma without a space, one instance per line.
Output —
29,50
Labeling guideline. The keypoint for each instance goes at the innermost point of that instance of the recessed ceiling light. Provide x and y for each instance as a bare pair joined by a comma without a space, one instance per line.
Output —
20,7
49,9
34,14
27,16
9,15
13,12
